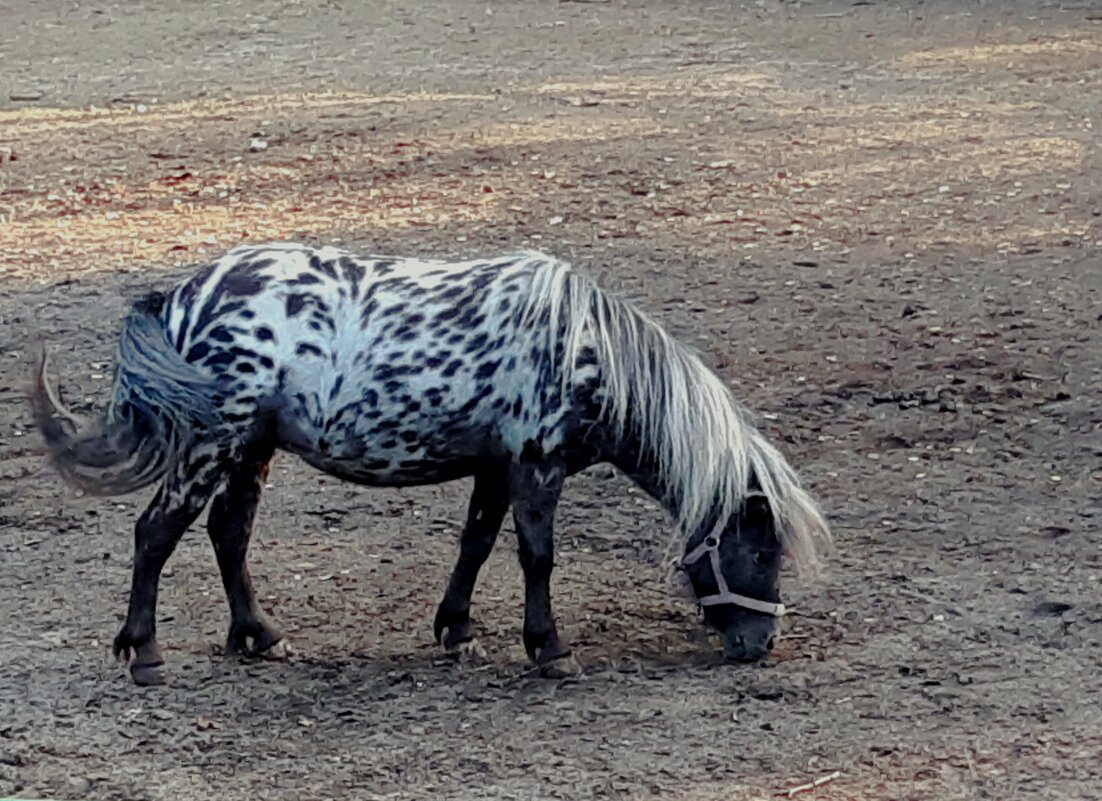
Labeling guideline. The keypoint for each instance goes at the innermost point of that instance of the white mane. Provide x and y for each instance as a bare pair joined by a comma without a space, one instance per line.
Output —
706,448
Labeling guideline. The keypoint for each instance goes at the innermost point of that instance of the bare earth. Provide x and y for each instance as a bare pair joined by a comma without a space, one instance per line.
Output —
880,220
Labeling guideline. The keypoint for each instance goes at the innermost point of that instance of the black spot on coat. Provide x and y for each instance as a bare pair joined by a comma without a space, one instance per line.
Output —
295,304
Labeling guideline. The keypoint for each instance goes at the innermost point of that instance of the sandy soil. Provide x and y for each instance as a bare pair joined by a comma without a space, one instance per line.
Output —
881,220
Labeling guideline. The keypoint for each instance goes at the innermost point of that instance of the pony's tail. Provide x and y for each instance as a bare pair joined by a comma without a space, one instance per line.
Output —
159,403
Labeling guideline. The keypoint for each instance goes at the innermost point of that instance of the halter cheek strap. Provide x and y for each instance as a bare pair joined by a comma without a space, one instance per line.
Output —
710,548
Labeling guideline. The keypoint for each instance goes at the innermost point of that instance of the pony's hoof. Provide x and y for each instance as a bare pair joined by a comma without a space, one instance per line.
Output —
455,635
148,675
564,667
255,640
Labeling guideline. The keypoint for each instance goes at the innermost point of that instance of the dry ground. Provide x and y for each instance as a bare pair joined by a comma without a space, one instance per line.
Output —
881,220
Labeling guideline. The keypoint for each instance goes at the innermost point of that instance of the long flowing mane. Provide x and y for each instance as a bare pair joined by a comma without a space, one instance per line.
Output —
706,447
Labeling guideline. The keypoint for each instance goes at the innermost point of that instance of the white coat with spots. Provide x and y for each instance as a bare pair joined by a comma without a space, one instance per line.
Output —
388,371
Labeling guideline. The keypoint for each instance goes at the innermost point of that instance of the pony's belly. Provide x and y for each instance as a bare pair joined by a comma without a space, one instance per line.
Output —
400,474
389,470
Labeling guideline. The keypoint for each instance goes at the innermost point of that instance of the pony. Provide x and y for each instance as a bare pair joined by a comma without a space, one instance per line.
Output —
517,370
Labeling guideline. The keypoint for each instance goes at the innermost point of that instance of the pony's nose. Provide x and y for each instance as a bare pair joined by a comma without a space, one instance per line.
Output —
737,649
769,645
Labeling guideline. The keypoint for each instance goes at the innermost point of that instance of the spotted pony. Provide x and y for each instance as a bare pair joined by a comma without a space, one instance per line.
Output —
518,371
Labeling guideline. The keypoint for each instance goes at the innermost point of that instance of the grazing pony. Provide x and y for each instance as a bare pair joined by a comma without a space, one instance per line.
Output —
388,371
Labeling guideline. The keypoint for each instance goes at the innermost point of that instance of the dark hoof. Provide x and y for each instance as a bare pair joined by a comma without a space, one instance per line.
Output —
560,667
544,649
148,675
257,640
554,659
454,633
147,668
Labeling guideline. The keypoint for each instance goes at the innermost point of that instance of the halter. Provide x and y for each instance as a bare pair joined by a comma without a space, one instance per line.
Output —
710,547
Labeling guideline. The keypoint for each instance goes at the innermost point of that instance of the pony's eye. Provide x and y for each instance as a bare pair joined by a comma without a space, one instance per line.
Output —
762,557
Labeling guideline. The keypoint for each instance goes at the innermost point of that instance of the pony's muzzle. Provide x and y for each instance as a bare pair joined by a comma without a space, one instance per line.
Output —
750,641
737,650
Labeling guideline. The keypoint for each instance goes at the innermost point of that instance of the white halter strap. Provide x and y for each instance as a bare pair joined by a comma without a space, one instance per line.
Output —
710,548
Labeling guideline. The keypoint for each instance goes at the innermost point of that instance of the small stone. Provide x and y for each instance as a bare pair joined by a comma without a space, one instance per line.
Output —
78,786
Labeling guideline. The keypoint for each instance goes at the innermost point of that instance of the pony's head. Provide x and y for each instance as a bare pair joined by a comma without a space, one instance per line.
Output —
732,569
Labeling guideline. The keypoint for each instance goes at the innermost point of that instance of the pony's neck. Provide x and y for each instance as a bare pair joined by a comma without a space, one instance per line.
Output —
641,466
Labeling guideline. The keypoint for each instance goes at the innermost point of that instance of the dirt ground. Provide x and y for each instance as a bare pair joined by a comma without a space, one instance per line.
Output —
881,221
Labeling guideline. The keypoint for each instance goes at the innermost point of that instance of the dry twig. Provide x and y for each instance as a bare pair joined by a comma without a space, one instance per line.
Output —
803,788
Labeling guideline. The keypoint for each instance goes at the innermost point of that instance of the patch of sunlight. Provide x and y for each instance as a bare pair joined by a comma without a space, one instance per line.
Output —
133,238
38,120
1067,49
690,83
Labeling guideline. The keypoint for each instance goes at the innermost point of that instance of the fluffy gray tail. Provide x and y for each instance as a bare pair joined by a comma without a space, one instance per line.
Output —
159,404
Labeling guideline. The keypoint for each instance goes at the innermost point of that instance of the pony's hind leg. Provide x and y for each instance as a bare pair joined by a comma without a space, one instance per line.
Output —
489,503
534,489
183,494
230,525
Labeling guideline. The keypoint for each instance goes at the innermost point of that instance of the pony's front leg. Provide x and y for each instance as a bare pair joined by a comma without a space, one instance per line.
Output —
534,489
489,503
182,496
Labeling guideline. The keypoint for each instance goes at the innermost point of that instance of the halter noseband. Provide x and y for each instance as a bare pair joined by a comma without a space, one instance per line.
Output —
710,547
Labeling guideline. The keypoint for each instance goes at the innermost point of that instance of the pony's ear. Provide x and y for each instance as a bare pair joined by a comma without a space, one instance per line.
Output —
757,505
